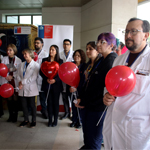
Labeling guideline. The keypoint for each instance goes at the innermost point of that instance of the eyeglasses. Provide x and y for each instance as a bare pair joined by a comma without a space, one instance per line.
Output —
66,44
100,42
132,32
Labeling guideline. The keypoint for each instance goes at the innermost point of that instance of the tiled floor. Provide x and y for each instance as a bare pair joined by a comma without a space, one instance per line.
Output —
42,137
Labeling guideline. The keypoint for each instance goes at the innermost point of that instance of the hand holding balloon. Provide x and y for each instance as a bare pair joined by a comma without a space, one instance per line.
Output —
108,99
77,103
51,81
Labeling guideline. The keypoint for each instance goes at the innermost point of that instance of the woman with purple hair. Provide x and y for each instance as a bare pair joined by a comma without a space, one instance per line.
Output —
91,98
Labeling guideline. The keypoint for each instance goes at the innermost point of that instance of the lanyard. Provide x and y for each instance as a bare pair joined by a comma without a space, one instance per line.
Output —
135,58
24,69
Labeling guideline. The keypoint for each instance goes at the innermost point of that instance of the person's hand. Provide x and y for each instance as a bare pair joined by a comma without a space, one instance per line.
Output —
77,103
72,89
9,78
51,81
20,85
108,99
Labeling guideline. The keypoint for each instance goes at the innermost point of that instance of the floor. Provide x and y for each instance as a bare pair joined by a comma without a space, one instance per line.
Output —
61,137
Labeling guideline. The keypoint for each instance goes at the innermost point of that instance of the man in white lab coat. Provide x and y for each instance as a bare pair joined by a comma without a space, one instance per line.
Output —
127,122
38,43
66,56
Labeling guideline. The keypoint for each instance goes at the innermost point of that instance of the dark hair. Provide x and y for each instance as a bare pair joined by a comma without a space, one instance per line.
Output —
57,57
38,38
92,43
67,40
109,37
122,45
82,54
13,47
145,25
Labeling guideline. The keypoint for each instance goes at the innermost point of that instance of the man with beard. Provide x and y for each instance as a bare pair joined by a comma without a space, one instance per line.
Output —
127,122
38,44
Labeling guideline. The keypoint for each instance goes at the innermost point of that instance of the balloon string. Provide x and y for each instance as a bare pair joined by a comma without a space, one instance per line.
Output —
77,108
101,116
48,93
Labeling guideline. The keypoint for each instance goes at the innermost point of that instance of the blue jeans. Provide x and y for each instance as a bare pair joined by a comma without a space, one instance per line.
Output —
92,134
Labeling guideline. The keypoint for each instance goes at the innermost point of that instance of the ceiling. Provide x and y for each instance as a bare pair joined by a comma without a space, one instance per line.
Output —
30,4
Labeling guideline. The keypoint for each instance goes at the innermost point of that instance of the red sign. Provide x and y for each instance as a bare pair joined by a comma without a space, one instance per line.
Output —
48,31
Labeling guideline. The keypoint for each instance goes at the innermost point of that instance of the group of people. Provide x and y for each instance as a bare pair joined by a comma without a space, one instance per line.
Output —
125,125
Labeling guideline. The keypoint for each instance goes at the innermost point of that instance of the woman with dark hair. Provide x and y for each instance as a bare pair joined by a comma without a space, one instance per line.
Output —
55,88
91,97
80,60
13,63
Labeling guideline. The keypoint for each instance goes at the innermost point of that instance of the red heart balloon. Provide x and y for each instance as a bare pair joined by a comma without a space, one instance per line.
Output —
69,74
6,90
50,69
120,81
35,56
3,70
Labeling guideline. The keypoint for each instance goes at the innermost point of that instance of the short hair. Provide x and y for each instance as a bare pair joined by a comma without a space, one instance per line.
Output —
109,37
92,43
57,57
82,54
145,25
38,38
13,47
67,40
30,51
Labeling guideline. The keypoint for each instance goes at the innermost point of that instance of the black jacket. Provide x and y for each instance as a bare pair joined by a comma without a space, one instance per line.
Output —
92,92
57,86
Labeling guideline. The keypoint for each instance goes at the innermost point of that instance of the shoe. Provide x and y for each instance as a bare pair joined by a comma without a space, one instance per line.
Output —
9,119
64,116
78,125
33,124
24,123
45,115
54,124
72,124
1,115
49,124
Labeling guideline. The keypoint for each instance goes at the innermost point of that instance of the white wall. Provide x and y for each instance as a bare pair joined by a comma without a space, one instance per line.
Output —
64,16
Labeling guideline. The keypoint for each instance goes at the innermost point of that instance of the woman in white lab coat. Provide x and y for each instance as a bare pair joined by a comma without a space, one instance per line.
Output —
27,78
13,63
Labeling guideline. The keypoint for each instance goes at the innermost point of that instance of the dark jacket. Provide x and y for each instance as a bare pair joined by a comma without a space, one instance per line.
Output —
57,85
92,91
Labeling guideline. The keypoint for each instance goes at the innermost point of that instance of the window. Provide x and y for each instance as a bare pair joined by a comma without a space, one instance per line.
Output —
24,19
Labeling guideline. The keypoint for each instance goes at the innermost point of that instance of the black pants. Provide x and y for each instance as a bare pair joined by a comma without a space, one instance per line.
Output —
28,101
43,101
1,106
66,102
12,104
53,106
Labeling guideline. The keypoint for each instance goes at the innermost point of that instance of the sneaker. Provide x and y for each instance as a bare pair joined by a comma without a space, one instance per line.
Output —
24,123
33,124
78,125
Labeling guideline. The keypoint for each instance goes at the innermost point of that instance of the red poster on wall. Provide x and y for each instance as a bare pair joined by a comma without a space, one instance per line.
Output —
48,31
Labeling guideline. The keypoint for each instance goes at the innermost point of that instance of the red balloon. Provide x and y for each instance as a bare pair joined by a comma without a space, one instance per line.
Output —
3,70
120,81
35,56
0,42
6,90
50,69
69,74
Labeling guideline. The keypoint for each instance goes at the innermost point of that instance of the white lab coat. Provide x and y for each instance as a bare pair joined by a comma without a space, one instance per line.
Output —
29,80
42,55
69,59
127,122
1,57
17,64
